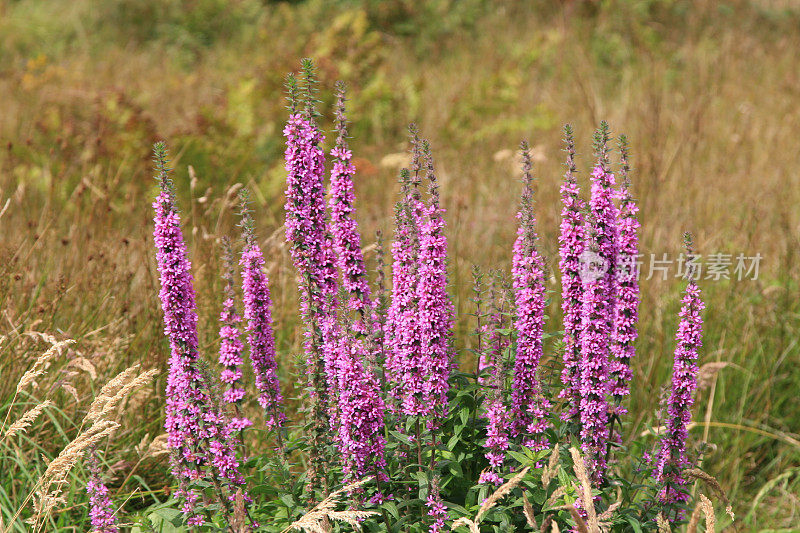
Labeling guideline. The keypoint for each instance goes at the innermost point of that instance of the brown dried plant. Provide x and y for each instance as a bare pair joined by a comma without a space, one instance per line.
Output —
491,501
96,426
318,519
707,508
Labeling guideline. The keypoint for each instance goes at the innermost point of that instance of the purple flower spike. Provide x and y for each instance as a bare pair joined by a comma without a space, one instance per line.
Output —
626,311
258,312
436,508
594,374
497,429
599,286
344,228
671,459
435,310
571,245
306,228
402,367
198,433
230,350
528,405
101,510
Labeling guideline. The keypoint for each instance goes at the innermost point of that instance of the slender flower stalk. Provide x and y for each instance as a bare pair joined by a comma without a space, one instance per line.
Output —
260,338
605,216
380,305
230,350
312,252
435,310
402,370
571,245
599,286
671,460
497,416
626,312
344,228
436,507
529,407
101,509
198,433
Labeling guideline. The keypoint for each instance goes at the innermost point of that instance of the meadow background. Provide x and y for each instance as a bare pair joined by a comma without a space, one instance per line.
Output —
708,93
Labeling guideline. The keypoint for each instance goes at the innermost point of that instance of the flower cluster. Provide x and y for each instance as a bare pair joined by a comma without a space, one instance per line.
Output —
355,392
571,241
434,314
230,350
361,412
599,296
314,259
101,510
436,507
528,404
626,311
198,433
401,368
671,460
497,416
258,312
344,228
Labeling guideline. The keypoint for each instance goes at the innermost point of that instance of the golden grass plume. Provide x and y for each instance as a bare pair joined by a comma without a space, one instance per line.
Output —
317,519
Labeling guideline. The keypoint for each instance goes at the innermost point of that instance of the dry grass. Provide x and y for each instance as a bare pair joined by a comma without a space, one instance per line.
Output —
97,425
707,508
28,418
491,501
318,519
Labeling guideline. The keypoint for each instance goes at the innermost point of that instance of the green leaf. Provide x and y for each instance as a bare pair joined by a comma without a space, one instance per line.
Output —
393,510
167,520
288,501
637,527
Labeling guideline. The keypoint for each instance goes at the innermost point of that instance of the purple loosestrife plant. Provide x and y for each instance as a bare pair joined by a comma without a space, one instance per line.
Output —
435,310
529,407
402,367
599,288
101,510
497,416
198,433
258,313
408,369
230,349
344,228
571,245
671,460
626,311
312,253
436,507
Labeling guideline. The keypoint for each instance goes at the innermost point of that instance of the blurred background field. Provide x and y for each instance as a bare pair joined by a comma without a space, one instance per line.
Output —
708,93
